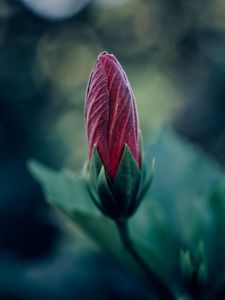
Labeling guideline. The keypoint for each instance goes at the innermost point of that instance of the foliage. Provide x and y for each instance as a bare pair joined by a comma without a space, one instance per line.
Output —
179,228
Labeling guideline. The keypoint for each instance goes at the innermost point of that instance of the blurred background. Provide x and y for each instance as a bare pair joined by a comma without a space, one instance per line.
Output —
173,53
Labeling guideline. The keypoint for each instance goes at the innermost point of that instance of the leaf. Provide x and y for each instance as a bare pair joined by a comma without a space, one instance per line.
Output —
68,193
176,213
183,175
103,232
65,190
150,223
186,265
212,229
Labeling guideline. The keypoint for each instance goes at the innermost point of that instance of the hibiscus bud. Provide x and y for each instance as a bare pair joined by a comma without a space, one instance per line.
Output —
113,139
110,113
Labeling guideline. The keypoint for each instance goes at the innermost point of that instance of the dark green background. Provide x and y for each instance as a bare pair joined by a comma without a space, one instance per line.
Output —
173,53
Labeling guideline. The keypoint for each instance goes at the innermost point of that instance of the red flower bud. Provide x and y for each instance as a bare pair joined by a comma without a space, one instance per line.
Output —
110,114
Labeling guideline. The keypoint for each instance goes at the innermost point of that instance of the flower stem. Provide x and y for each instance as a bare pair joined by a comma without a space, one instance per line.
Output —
156,284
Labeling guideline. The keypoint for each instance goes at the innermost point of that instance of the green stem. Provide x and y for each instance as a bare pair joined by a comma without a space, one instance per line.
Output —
156,283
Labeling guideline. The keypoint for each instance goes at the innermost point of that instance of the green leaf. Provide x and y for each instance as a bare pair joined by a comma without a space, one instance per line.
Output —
214,233
68,193
103,232
65,190
183,217
184,173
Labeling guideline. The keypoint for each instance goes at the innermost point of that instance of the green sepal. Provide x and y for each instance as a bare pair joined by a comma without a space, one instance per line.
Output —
194,267
94,195
146,176
202,274
201,263
199,255
89,178
95,166
126,182
91,174
106,197
186,265
120,197
145,183
146,180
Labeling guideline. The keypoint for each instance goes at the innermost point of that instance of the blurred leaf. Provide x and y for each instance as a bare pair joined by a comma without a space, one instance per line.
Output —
177,216
216,232
104,233
68,193
65,190
186,265
151,224
168,219
183,173
210,225
184,297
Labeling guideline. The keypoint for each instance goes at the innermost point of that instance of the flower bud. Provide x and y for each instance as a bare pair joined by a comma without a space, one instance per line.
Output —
111,115
113,138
